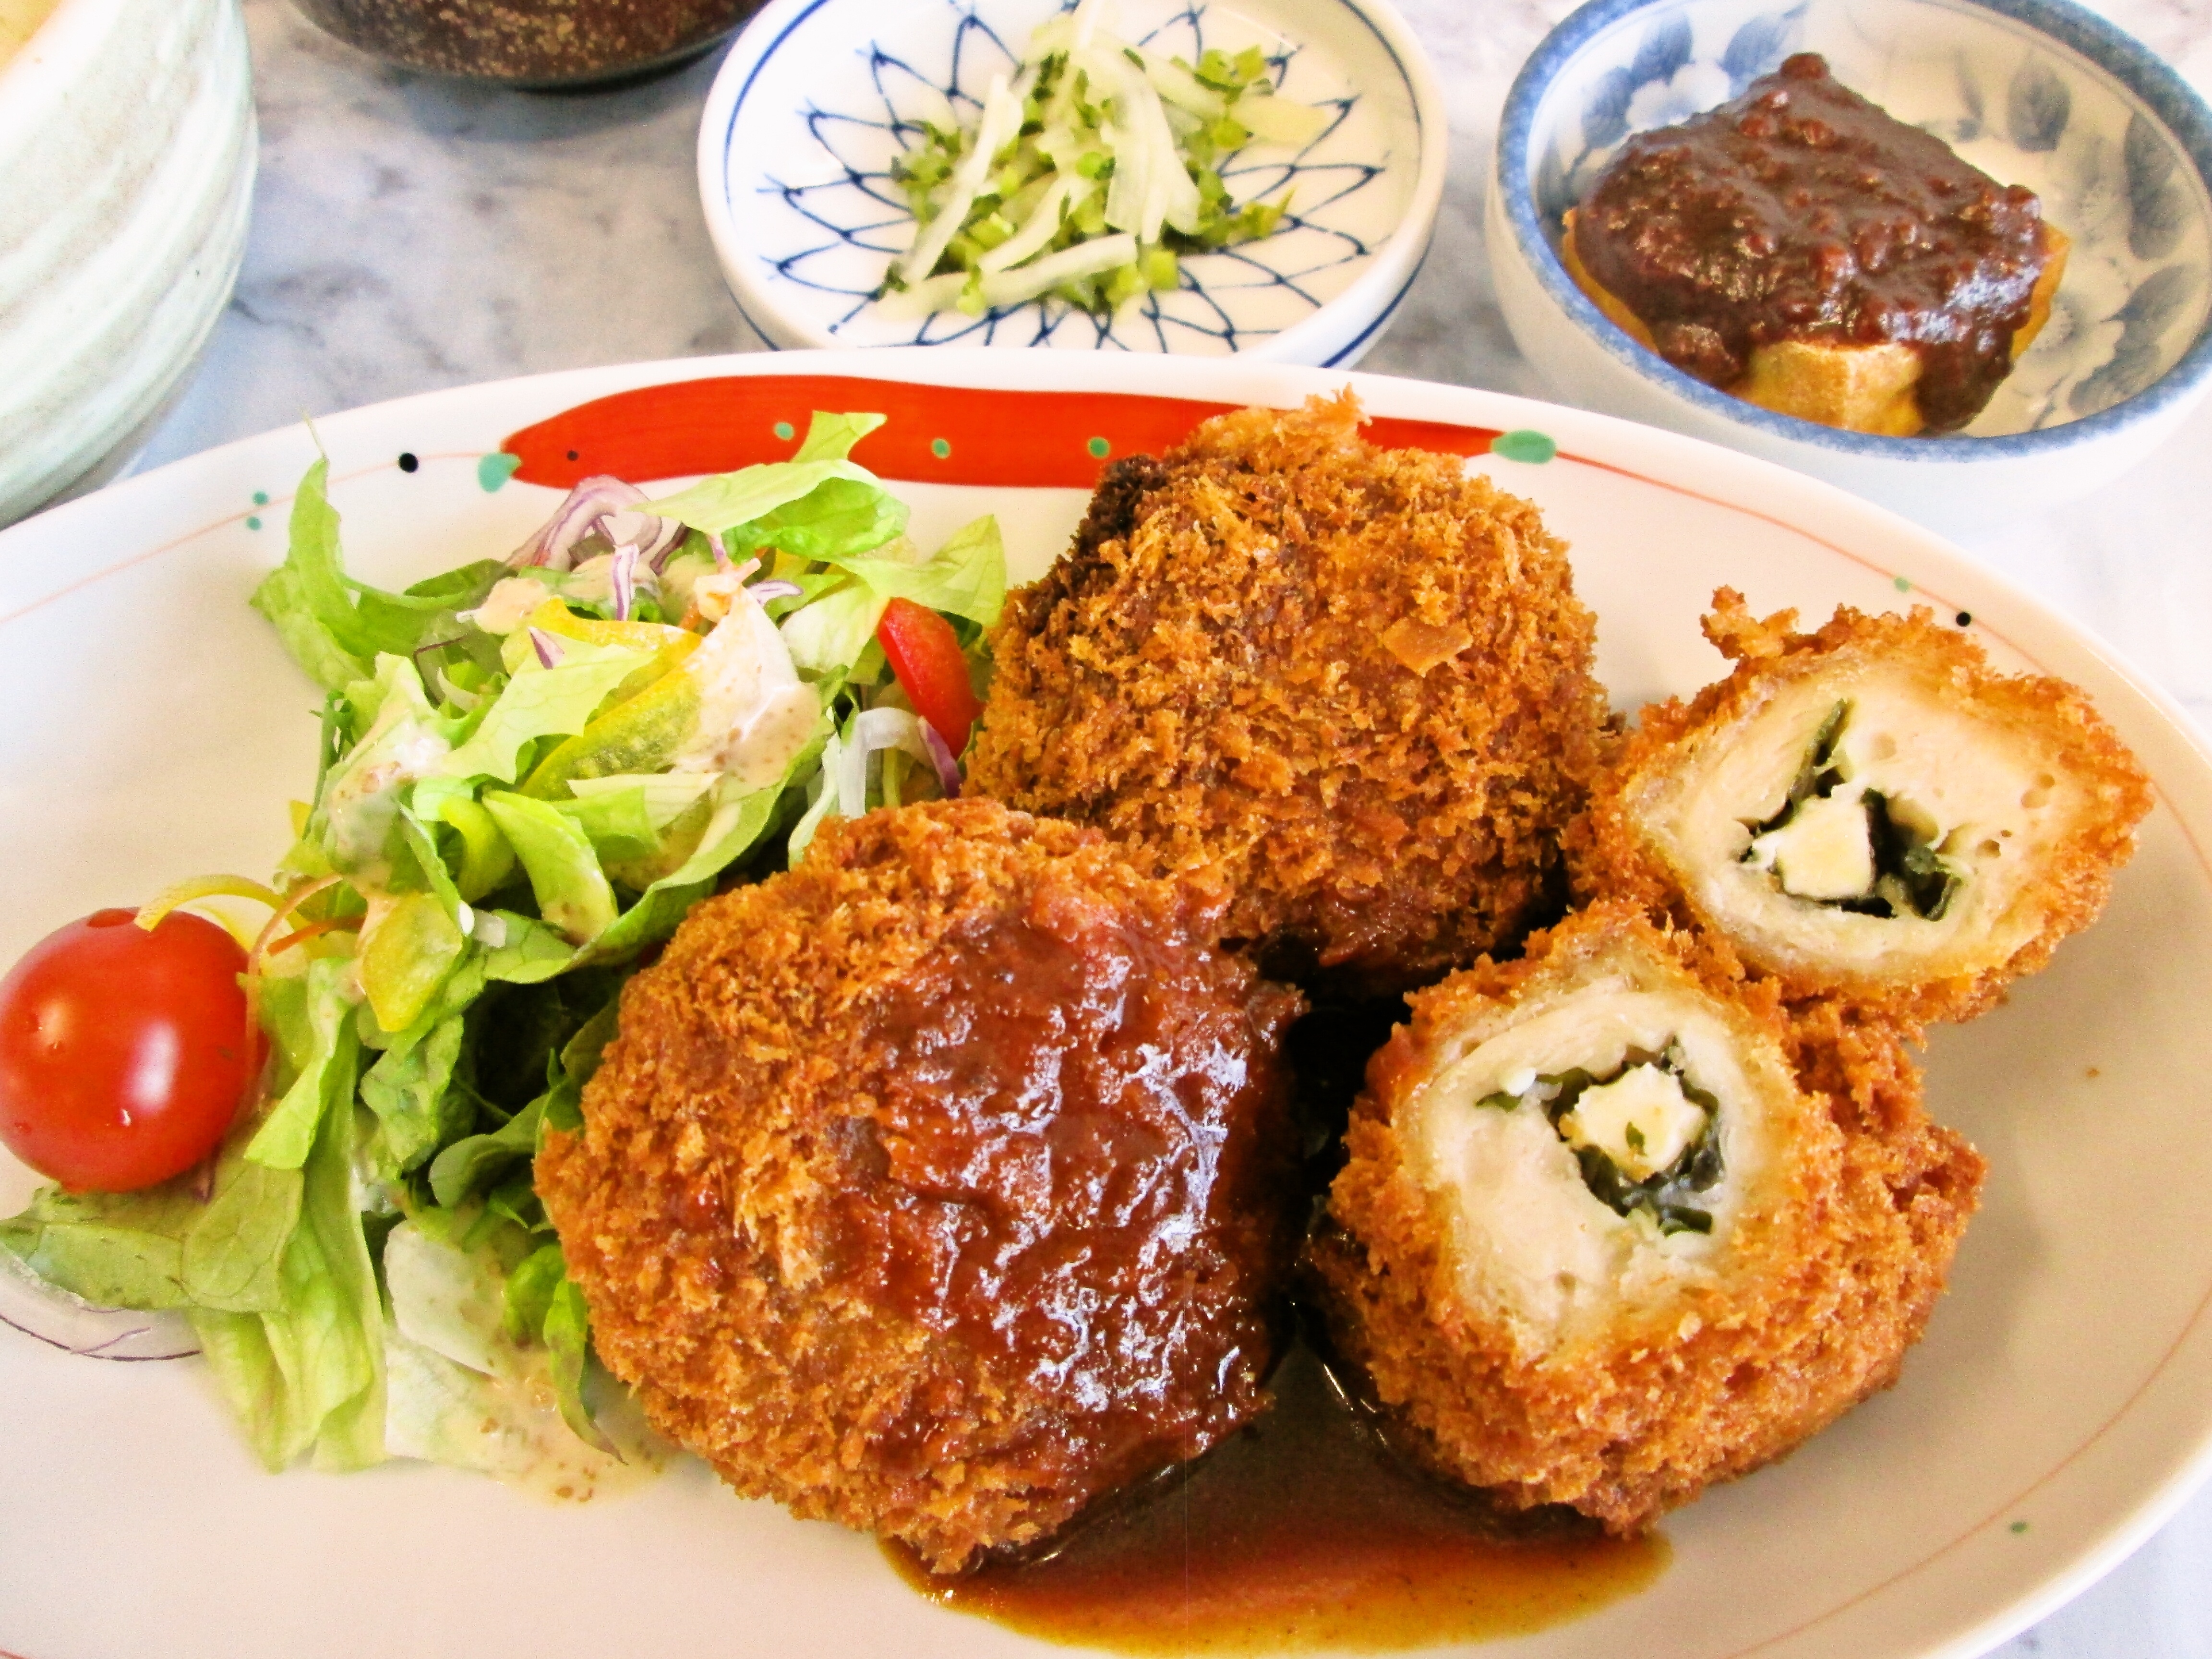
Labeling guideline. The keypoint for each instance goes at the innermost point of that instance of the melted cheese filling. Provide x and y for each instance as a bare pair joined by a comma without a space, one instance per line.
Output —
1530,1237
1975,792
1641,1121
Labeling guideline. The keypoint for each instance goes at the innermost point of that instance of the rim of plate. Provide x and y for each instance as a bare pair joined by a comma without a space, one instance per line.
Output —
1723,476
2069,28
1391,268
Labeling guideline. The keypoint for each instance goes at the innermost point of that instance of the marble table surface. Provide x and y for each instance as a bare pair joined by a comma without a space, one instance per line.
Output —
410,235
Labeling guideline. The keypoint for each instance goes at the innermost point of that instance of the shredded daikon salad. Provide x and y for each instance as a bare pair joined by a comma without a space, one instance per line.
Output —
1090,170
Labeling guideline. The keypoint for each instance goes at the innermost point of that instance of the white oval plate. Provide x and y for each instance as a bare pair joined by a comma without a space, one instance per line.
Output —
2060,1408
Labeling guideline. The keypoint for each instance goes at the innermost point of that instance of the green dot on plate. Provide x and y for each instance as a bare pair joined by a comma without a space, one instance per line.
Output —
496,469
1099,448
939,447
253,521
1904,584
785,430
2019,1526
1524,445
261,498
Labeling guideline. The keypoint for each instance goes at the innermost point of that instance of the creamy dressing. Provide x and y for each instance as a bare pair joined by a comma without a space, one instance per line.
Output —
459,1391
1533,1239
360,803
755,713
19,22
1975,790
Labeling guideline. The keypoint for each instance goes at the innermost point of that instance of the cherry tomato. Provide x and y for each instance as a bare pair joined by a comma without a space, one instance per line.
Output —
924,654
124,1054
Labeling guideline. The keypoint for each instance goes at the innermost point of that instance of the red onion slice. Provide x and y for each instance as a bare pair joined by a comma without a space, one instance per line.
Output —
762,592
549,649
667,535
604,503
622,578
53,1316
948,765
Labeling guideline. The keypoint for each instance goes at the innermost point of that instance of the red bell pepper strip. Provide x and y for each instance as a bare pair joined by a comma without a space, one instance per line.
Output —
925,653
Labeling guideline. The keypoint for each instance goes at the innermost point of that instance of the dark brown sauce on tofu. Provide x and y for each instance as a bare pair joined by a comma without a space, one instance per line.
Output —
1300,1532
1802,211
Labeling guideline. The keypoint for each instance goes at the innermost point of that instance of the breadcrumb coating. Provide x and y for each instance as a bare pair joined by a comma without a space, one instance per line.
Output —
939,1185
1351,683
1820,1288
1621,848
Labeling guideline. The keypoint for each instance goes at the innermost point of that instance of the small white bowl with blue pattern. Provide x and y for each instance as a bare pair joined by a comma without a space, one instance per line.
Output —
2037,93
818,97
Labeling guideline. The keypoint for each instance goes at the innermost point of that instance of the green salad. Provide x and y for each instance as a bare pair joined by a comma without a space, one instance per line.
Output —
530,770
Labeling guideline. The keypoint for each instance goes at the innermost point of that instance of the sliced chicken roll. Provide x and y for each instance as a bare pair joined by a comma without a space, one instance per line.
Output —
1596,1244
1870,810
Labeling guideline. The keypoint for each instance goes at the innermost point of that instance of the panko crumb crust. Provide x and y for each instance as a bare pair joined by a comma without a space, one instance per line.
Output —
1610,852
1351,684
1820,1300
954,1328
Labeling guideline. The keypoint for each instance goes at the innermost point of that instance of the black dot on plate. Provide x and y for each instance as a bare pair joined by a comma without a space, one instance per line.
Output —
408,462
1966,619
574,455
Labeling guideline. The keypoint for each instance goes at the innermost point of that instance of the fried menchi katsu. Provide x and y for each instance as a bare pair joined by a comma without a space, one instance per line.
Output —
1353,682
937,1186
1605,1238
1870,810
1799,248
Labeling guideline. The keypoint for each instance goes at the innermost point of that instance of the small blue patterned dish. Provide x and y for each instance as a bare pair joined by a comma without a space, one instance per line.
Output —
818,97
2033,92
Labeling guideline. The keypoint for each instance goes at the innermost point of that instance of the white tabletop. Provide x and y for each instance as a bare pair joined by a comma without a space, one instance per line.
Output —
409,234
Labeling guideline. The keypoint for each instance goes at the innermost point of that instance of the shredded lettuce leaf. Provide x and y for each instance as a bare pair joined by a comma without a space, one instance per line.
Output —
334,626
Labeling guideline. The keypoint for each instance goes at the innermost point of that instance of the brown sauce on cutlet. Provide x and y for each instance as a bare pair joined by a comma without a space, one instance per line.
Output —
1299,1532
1302,1530
1800,210
1076,1170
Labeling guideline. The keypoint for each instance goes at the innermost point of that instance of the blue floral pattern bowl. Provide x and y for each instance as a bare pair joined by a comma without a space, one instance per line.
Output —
806,217
2032,92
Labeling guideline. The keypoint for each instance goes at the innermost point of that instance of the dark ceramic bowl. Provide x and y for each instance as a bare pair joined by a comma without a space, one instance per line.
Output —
535,45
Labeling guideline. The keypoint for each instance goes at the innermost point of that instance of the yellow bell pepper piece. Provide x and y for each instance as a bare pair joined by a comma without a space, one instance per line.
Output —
406,953
554,617
641,735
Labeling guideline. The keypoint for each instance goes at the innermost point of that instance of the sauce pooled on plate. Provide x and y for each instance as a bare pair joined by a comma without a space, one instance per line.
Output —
1301,1532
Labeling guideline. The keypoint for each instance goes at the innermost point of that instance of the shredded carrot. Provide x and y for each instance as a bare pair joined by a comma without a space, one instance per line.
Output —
302,935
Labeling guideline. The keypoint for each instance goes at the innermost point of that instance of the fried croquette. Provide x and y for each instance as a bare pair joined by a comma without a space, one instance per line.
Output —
1612,1228
937,1186
1352,682
1870,811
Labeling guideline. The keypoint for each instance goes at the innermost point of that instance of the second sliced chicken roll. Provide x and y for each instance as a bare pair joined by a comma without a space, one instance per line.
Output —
1597,1244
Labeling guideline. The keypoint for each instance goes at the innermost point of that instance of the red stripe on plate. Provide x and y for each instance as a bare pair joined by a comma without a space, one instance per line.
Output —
933,435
